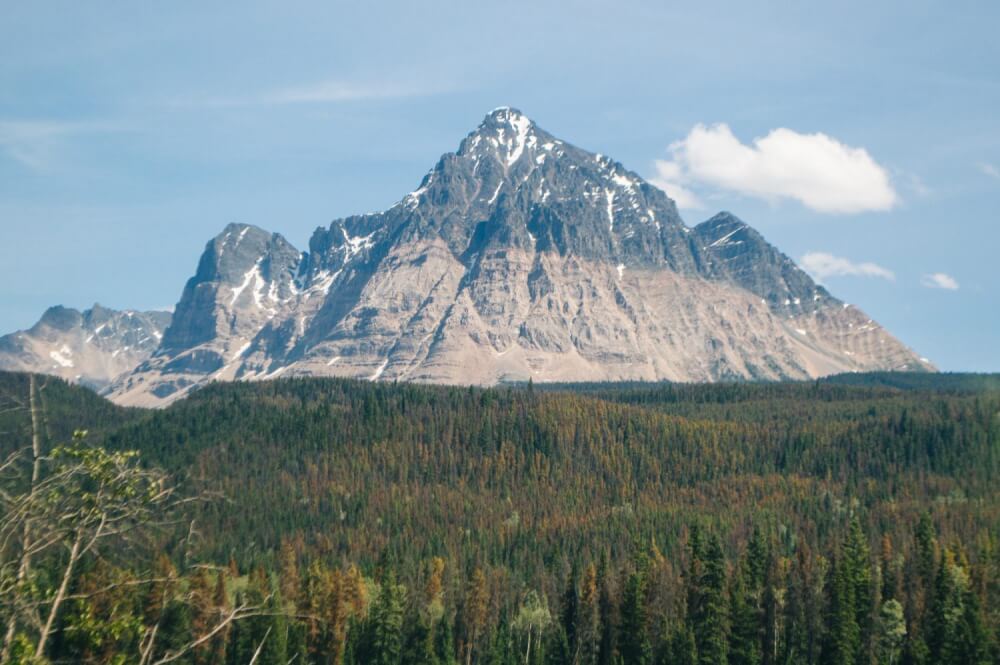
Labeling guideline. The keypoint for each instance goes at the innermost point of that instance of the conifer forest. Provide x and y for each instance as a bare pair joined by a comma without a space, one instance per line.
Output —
847,521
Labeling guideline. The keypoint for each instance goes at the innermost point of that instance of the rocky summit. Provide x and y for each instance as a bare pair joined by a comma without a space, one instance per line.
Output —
91,347
518,257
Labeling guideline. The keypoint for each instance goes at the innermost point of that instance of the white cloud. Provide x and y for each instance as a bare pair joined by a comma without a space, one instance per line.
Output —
330,91
339,91
814,169
822,265
939,280
989,170
668,175
34,143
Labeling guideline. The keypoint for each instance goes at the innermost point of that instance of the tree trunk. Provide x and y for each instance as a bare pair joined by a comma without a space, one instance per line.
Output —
36,463
74,554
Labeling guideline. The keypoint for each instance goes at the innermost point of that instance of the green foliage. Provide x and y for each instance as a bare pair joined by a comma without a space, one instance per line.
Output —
671,524
385,641
633,639
710,620
891,631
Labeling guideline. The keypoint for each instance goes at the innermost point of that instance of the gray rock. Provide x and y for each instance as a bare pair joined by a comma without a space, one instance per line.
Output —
519,256
92,347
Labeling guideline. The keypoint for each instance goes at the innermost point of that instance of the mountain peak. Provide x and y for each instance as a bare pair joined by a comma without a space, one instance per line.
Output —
519,255
504,132
92,347
60,317
506,115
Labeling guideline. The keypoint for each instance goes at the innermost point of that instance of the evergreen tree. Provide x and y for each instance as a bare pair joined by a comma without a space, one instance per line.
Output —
710,618
772,610
633,637
175,631
857,568
588,633
386,623
955,631
569,612
683,649
843,635
444,642
297,646
418,642
745,635
556,647
608,615
973,639
502,650
263,636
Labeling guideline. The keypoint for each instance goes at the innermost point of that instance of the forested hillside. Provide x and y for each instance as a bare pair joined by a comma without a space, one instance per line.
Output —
844,521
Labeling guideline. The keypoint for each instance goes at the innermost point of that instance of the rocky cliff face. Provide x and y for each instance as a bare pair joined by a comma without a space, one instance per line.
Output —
90,347
519,256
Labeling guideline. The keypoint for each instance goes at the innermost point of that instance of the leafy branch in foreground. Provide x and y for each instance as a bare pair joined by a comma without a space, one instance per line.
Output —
80,503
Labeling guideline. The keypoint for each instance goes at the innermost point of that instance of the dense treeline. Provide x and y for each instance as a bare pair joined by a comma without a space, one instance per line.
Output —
743,523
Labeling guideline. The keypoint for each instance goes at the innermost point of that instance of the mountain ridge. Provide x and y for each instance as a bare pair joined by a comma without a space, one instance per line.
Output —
519,256
93,346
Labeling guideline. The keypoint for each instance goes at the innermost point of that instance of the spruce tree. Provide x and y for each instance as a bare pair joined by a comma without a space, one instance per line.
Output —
843,635
634,646
710,621
745,635
683,649
857,563
569,612
386,623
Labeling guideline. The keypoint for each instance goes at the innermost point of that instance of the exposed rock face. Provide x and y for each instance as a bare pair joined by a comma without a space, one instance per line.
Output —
90,347
519,256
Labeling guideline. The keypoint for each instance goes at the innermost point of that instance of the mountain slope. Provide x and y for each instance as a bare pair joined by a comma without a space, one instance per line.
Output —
519,256
90,347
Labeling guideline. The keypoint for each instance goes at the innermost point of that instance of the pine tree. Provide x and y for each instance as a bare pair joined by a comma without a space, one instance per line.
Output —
890,570
570,610
386,623
745,635
710,620
556,649
297,646
444,642
954,632
633,637
588,634
843,635
973,640
683,649
772,610
857,563
418,642
502,650
608,615
265,635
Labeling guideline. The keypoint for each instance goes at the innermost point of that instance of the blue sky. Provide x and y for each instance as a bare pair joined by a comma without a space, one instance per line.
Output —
862,137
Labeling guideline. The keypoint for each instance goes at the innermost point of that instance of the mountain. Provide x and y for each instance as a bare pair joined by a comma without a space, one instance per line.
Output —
90,347
518,257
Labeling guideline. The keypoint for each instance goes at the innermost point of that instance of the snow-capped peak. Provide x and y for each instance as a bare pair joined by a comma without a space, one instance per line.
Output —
505,133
